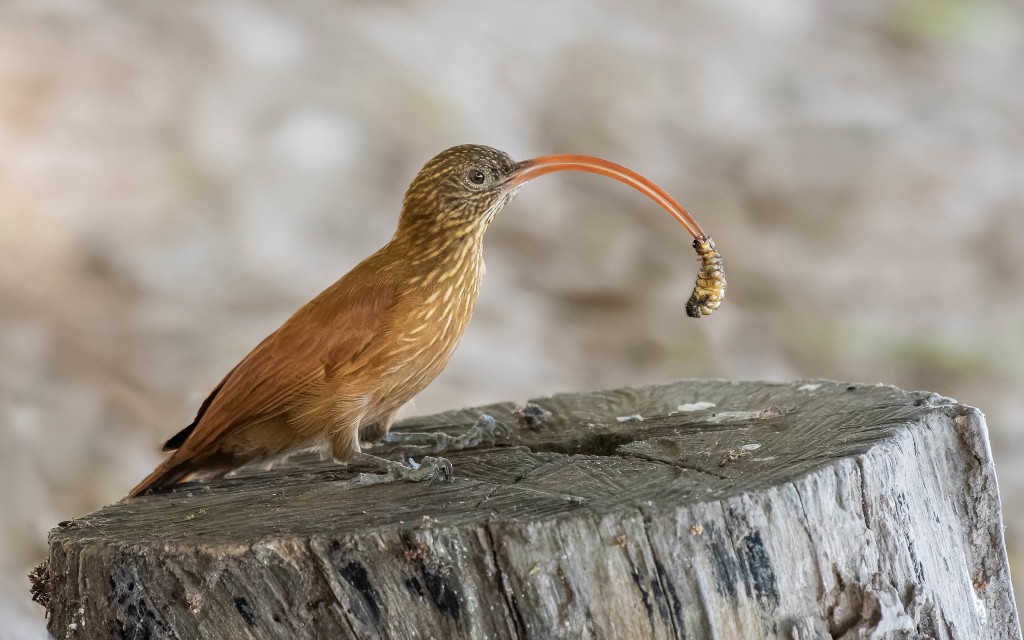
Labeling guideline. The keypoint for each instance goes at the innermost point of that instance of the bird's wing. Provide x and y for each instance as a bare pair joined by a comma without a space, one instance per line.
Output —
178,439
325,335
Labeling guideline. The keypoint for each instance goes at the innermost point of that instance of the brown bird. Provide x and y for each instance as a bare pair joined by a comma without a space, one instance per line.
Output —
338,370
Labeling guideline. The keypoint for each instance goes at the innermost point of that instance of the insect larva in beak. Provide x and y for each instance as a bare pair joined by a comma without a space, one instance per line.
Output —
709,290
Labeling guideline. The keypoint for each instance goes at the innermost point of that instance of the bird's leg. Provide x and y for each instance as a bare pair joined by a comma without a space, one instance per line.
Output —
428,469
486,428
376,430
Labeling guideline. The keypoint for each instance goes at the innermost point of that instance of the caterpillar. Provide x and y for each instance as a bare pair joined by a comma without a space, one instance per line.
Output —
709,289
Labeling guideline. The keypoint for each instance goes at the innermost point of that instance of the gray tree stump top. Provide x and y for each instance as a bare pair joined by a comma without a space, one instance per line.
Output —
699,509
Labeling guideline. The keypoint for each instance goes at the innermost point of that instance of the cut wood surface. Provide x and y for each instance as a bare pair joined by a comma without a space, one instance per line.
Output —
698,509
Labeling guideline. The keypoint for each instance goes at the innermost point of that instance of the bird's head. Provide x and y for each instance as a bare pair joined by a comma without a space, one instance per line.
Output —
460,188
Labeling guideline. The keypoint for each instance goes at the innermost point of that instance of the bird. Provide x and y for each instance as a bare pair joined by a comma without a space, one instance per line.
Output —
338,370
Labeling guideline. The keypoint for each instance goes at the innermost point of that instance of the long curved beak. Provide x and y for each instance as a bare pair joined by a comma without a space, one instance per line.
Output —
537,167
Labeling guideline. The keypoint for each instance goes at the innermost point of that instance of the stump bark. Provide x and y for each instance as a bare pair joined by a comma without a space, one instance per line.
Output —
699,509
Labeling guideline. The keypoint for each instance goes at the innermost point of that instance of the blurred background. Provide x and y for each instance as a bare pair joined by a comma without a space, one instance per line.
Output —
177,178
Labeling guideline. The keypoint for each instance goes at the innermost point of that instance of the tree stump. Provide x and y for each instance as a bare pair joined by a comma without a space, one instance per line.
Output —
699,509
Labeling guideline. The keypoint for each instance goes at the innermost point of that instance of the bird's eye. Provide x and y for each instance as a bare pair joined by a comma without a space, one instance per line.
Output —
476,176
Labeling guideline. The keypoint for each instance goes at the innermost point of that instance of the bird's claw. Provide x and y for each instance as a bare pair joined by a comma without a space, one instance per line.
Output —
428,469
491,429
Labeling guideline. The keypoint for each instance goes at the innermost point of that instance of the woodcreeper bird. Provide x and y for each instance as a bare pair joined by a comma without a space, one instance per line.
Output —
337,371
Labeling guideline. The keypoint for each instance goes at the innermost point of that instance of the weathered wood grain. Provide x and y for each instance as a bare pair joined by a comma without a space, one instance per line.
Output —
700,509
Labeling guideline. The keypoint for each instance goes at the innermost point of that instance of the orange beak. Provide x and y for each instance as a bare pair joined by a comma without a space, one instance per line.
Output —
530,169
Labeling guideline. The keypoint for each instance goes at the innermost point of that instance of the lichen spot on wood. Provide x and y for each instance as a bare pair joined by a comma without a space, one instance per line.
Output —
442,593
242,606
356,575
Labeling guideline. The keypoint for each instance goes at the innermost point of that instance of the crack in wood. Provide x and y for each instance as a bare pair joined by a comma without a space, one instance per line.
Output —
805,525
326,575
862,477
509,598
672,606
677,465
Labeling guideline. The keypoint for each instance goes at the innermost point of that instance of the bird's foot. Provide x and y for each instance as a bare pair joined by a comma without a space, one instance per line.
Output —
486,428
427,470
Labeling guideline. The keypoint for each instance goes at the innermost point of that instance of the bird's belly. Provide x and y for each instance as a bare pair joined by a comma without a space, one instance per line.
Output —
408,370
406,377
421,339
378,387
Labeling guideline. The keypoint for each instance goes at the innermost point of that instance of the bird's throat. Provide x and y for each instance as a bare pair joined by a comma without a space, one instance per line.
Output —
438,255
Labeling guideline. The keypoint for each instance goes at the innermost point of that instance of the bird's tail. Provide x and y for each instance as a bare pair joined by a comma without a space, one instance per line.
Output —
169,473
